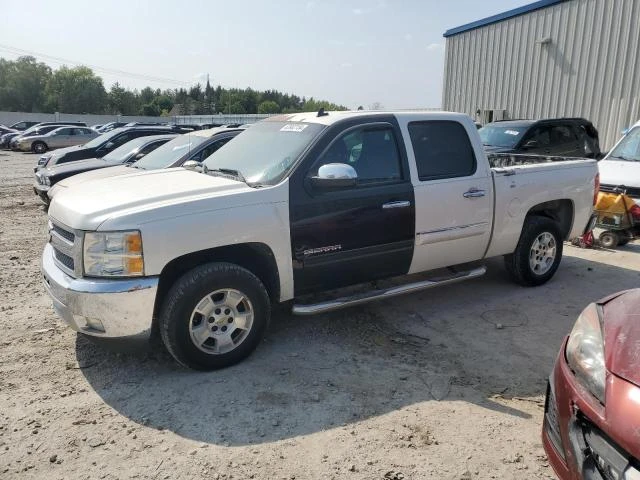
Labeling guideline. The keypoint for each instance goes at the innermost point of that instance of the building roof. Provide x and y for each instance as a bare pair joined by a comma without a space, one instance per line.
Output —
502,16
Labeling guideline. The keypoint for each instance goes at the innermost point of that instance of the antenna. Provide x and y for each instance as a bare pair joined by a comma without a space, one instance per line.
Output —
322,113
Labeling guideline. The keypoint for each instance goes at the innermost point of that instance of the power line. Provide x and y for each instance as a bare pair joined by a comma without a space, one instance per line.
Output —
110,71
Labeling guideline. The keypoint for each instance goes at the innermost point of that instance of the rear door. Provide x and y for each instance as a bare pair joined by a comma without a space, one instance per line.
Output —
358,233
454,195
62,138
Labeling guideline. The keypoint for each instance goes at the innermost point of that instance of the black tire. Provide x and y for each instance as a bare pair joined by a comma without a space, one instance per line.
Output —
517,263
188,291
39,147
609,239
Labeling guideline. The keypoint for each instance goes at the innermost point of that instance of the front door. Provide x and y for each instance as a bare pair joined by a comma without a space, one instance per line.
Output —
359,233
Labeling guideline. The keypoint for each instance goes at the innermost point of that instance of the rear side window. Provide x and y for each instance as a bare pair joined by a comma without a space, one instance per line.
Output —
442,150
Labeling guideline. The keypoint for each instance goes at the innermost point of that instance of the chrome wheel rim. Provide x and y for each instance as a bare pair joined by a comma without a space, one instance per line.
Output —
221,321
542,254
39,148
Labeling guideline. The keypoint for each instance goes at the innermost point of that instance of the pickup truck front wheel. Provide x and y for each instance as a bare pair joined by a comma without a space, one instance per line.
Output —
538,254
214,316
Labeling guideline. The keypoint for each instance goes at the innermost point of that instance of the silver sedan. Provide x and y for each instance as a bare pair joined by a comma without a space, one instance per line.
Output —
58,138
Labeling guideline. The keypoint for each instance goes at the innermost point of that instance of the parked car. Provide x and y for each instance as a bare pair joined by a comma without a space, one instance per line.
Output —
130,152
57,138
22,126
299,204
187,150
107,127
564,137
145,124
96,127
621,166
592,410
34,131
4,129
100,146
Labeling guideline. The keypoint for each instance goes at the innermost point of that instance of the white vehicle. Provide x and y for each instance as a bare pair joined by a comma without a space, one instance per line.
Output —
299,204
620,169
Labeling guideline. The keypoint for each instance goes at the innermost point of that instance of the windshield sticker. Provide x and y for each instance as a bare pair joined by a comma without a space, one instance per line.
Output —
293,127
512,132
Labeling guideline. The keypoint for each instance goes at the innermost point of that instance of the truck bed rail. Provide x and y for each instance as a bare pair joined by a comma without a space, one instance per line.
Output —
502,160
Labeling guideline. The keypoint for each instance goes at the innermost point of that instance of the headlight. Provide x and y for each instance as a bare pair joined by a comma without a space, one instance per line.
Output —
113,254
585,352
47,181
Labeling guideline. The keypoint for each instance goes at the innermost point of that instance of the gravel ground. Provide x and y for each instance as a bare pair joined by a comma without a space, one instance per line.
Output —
446,384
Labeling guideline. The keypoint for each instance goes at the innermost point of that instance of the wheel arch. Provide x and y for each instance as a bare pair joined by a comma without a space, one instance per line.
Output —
256,257
560,211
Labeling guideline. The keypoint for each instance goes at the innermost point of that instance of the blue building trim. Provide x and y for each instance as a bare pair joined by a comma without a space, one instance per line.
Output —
502,16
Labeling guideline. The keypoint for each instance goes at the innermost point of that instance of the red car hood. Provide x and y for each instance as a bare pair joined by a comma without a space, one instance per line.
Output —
622,335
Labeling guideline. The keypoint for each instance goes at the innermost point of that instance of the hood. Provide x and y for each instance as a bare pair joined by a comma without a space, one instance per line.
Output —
95,174
495,149
78,166
619,172
61,151
622,335
89,204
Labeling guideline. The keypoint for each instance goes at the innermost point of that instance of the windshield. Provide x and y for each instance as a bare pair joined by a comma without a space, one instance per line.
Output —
264,153
501,136
168,153
120,154
629,147
96,142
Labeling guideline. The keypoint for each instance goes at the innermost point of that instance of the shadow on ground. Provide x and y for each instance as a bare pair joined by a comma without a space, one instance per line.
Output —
467,342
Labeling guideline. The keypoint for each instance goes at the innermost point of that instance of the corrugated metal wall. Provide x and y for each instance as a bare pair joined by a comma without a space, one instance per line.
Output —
589,69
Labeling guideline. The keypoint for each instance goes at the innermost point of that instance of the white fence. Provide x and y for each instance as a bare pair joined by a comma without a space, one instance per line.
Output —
9,118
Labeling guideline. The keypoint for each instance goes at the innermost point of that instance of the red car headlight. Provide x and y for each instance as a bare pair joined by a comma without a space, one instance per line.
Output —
585,351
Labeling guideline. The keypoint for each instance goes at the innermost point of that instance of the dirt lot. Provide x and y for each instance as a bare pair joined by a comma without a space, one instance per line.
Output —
423,386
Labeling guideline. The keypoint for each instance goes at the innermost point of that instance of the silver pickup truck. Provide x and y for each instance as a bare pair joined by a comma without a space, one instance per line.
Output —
299,204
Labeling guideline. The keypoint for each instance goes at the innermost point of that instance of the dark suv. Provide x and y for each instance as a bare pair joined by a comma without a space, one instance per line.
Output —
563,137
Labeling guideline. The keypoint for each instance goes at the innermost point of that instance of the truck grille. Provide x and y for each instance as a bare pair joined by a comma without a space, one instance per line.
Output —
65,259
67,248
633,192
69,236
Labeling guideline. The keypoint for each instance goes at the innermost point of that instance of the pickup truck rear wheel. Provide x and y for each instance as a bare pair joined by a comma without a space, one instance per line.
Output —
538,253
214,316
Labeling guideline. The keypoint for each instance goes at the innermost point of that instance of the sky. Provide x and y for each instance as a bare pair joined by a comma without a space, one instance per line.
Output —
350,52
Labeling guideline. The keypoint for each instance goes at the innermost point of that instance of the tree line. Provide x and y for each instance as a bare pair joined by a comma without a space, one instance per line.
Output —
27,85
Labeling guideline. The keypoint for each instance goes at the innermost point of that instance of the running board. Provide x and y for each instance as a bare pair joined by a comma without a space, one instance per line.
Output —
344,302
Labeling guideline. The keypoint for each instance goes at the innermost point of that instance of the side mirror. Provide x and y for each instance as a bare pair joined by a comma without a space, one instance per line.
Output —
192,165
139,156
531,144
335,175
108,146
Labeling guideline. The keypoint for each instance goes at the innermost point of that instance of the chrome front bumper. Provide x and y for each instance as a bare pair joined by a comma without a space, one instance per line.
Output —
112,308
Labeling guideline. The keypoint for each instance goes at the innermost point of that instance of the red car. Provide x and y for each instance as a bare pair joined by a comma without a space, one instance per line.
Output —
592,414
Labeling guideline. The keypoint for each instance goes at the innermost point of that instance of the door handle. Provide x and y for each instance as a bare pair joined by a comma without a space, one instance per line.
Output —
401,204
473,193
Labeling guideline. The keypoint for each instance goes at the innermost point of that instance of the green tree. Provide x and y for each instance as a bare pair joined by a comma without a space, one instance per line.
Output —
122,101
76,90
22,84
151,110
268,106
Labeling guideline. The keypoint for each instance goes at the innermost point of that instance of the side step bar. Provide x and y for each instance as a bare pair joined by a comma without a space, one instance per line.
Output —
344,302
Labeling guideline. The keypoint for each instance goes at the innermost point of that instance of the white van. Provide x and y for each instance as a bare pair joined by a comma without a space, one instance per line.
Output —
621,166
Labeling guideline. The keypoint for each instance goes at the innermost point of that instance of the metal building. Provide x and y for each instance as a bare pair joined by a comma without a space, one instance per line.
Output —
552,58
